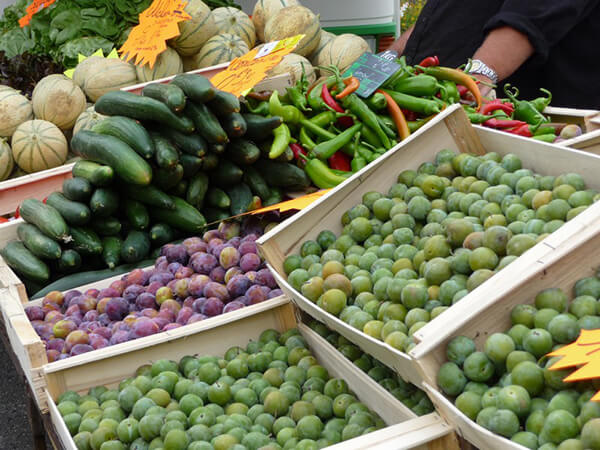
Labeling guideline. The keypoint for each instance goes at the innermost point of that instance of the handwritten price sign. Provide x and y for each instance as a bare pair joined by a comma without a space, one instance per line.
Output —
33,8
248,70
157,24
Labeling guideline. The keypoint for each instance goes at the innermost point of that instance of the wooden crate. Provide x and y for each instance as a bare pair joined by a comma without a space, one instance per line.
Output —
587,119
450,129
406,431
574,259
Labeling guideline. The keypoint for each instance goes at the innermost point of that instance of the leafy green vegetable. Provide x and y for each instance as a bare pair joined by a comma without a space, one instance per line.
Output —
16,41
67,53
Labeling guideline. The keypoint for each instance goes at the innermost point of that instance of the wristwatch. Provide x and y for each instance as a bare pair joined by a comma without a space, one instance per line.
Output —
479,67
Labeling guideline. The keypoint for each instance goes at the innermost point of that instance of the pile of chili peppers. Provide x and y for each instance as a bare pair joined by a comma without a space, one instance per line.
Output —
332,133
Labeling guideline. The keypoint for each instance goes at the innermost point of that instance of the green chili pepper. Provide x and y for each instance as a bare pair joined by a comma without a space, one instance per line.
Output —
414,125
420,86
449,91
306,140
544,130
370,137
326,149
297,99
314,98
288,113
324,118
416,104
317,130
550,138
387,120
281,141
480,118
261,108
322,176
441,103
376,101
387,129
357,163
368,117
524,110
541,103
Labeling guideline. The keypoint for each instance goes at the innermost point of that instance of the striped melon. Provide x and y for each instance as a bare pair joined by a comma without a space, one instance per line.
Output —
14,110
83,68
293,64
293,20
343,51
59,100
168,63
108,75
196,31
233,21
264,10
220,49
7,162
87,120
38,145
188,63
326,38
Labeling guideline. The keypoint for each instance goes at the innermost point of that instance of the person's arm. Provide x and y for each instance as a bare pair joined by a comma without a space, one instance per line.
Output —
400,43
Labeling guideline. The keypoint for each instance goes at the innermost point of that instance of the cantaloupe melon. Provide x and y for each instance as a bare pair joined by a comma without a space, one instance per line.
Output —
7,162
326,38
233,21
342,51
264,10
220,49
188,63
196,31
87,120
38,145
293,64
294,20
108,75
83,68
168,63
14,110
59,100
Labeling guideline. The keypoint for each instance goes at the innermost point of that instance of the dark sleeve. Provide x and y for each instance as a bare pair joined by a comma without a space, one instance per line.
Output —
545,22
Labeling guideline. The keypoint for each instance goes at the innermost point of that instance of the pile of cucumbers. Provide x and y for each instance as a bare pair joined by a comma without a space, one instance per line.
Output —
161,166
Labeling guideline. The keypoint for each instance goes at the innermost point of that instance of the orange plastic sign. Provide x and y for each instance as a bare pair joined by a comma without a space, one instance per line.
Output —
296,203
157,24
247,71
584,352
33,8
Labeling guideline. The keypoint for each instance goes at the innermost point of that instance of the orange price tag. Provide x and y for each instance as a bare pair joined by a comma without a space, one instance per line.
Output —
297,203
157,24
33,8
247,71
584,352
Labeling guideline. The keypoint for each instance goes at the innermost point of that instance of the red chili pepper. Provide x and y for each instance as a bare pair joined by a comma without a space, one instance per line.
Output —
430,61
44,201
410,115
340,161
502,124
17,213
522,130
329,100
299,154
3,220
462,90
496,105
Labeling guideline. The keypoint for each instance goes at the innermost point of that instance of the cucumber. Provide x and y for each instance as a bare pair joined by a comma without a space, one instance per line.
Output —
185,217
104,202
136,214
109,226
149,195
95,173
196,87
259,128
256,182
233,124
282,174
166,155
37,242
46,218
226,174
191,165
275,197
214,215
82,278
111,251
196,190
24,262
135,247
210,162
192,144
241,197
69,261
161,233
129,131
121,103
206,123
217,198
166,179
77,189
74,213
180,189
224,103
170,94
85,241
217,149
127,164
243,152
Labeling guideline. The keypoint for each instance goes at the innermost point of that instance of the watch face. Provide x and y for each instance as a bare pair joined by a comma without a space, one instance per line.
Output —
475,65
